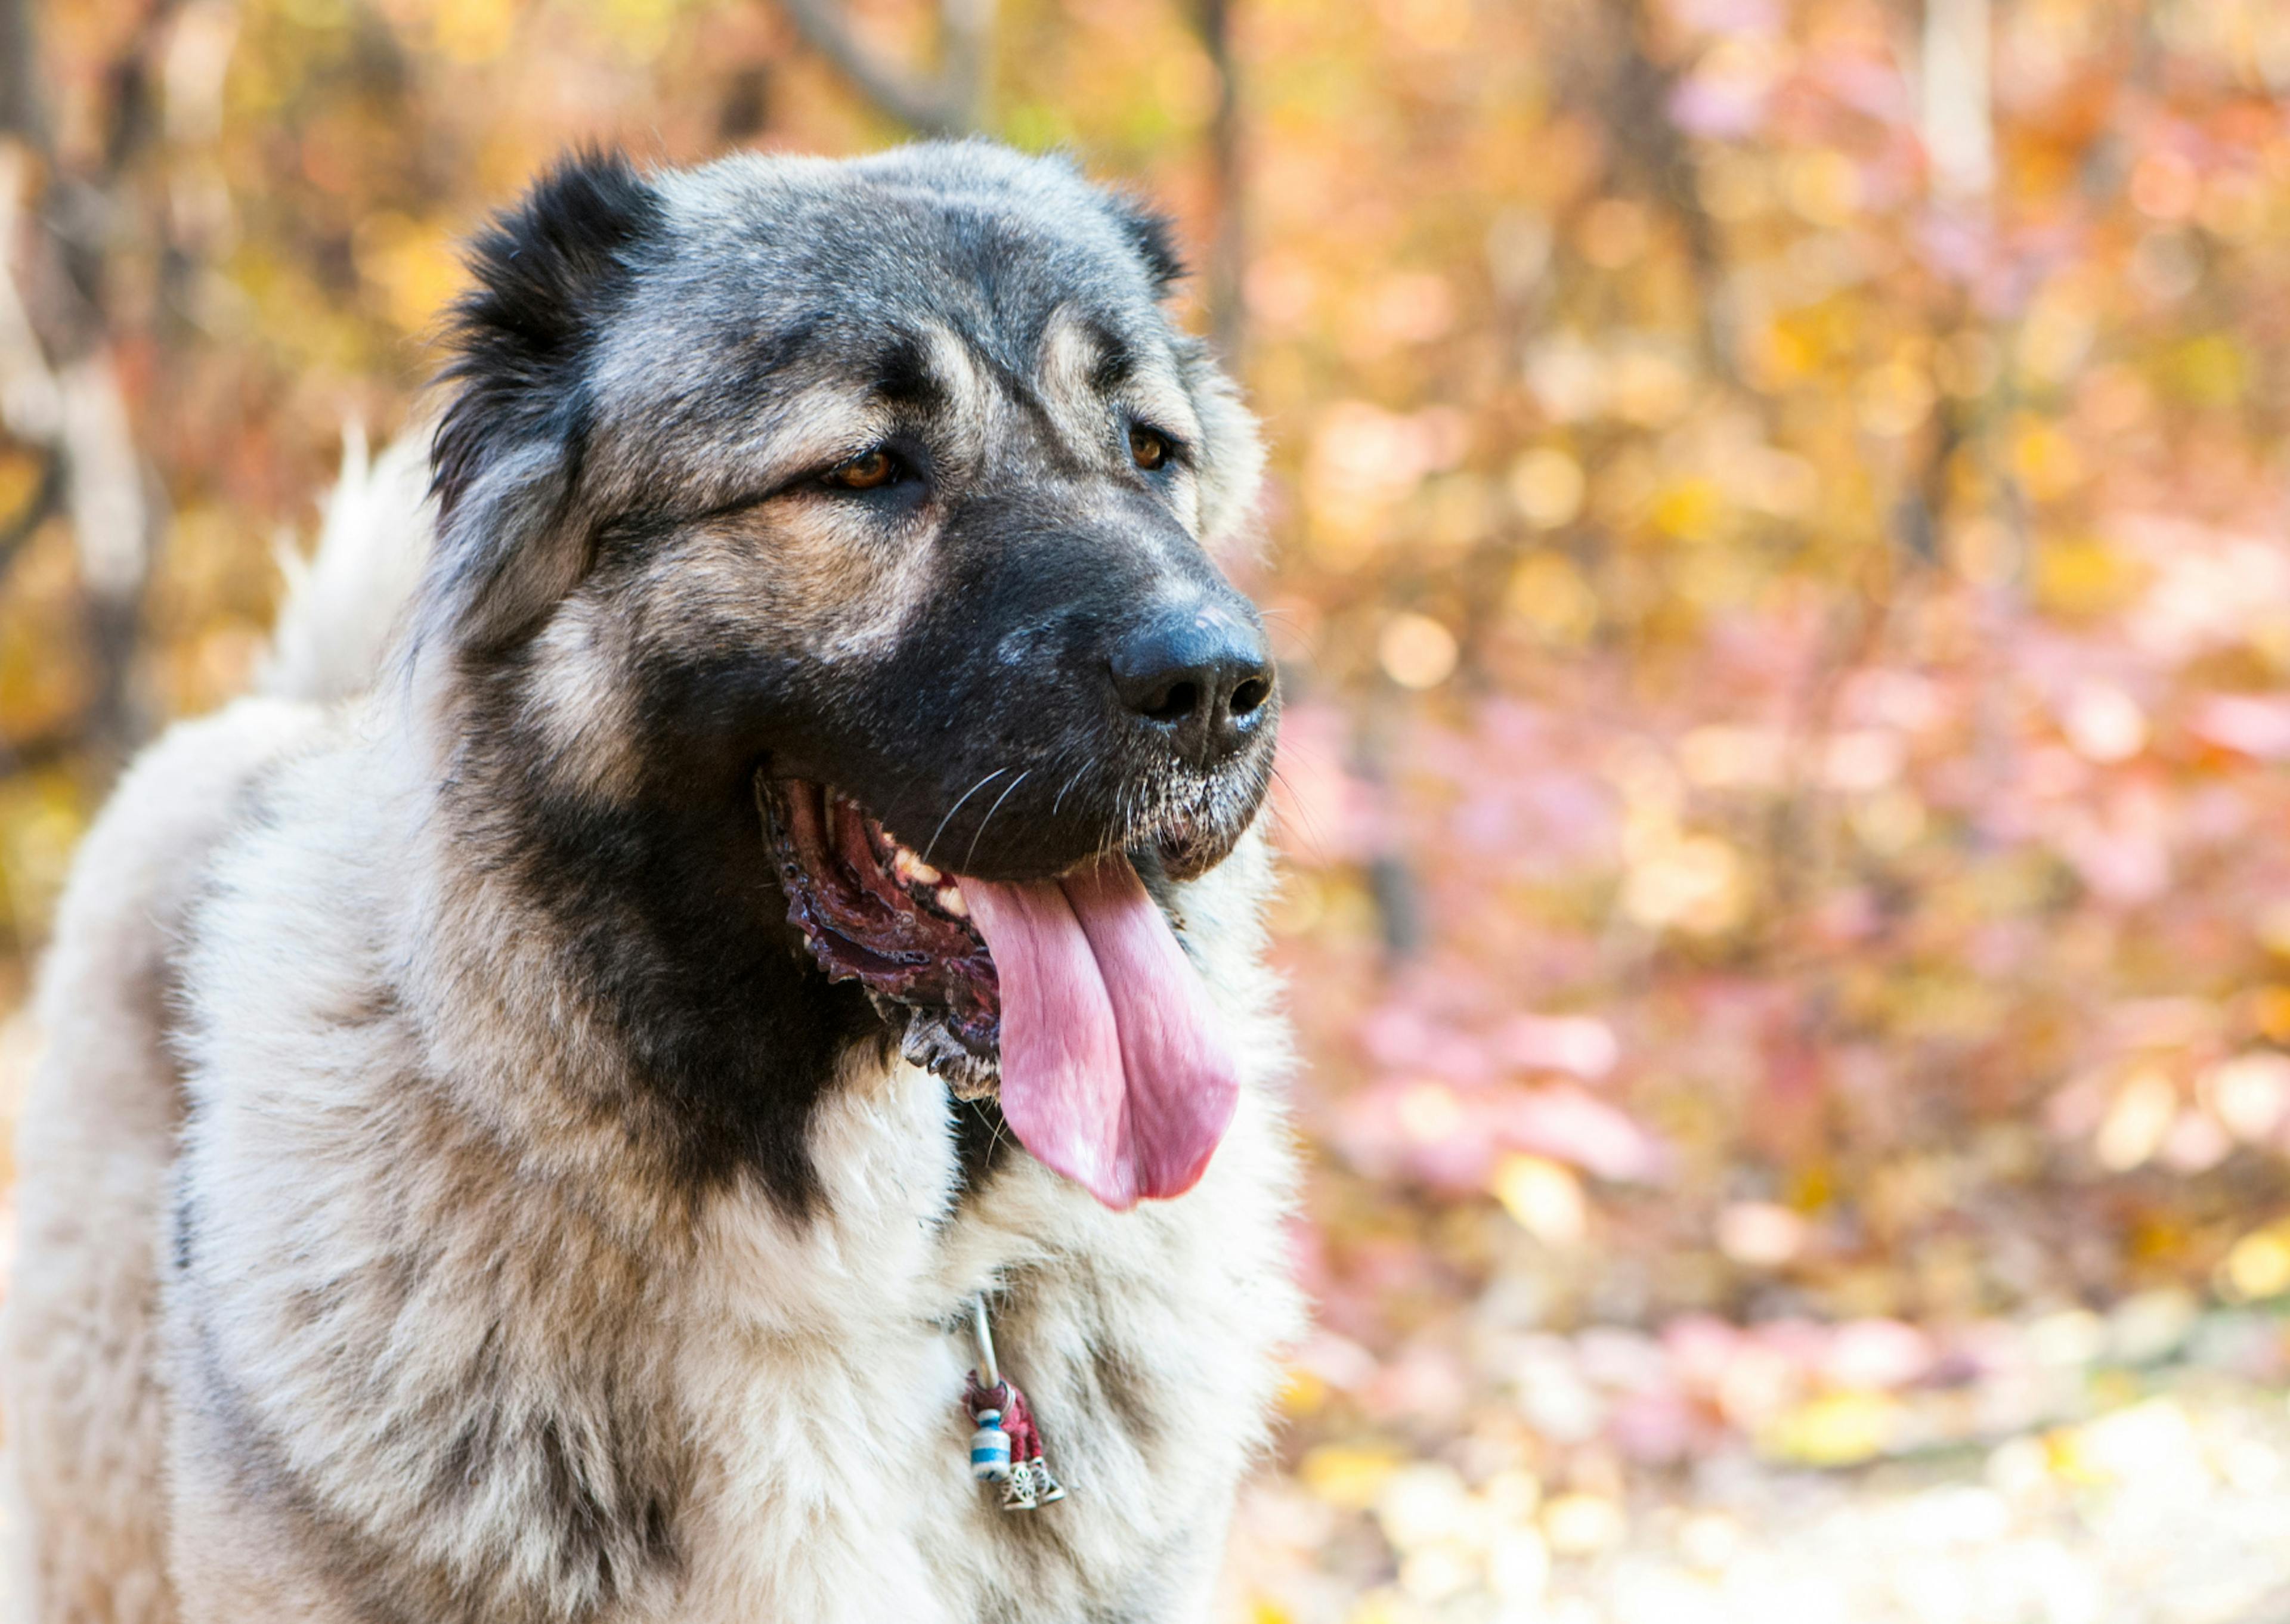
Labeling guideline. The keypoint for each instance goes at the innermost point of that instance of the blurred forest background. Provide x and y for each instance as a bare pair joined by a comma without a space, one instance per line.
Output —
1776,538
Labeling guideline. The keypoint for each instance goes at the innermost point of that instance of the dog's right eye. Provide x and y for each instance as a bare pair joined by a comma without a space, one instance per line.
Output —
1148,448
867,471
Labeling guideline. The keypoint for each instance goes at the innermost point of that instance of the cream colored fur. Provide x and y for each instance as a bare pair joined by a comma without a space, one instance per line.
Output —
85,1409
344,604
398,1235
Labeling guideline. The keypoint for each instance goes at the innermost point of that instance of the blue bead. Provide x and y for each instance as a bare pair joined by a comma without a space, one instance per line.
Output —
989,1448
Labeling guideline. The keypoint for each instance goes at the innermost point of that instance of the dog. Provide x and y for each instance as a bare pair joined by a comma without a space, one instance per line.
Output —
743,871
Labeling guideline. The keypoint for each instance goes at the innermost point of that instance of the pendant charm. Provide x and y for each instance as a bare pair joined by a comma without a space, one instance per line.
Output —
1006,1446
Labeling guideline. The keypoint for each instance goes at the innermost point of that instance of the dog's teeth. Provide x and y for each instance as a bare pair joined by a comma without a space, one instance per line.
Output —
950,898
911,869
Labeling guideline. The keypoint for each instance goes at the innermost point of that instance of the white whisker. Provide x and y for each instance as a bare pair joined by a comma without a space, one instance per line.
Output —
1068,784
957,807
1007,791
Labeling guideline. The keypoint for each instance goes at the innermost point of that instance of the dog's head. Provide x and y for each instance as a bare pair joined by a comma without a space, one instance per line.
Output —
871,505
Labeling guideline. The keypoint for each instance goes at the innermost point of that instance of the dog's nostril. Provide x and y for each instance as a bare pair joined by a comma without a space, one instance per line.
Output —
1173,703
1252,692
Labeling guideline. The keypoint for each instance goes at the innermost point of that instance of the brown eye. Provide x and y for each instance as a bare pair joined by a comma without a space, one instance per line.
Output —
1147,449
865,471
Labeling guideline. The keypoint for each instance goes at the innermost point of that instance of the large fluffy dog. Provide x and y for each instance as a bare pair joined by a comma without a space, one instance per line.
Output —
524,1144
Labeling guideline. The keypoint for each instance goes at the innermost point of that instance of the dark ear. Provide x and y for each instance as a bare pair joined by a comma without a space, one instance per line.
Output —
1153,237
551,272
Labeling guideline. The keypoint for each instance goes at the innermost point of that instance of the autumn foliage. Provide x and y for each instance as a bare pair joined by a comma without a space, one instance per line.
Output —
1780,570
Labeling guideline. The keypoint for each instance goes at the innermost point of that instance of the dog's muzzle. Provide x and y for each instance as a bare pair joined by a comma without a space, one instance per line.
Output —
1199,676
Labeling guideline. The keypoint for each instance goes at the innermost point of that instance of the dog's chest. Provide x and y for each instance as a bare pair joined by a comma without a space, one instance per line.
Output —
832,1480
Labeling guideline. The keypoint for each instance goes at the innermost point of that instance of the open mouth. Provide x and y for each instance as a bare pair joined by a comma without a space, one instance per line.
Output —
873,911
1070,997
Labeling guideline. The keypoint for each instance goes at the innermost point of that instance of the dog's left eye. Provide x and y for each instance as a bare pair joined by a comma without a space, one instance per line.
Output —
1148,448
867,471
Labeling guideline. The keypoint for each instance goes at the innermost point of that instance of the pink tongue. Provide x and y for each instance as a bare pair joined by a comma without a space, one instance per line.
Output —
1113,1070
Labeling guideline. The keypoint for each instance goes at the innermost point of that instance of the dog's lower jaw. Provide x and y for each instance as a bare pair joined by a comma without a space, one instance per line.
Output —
928,1043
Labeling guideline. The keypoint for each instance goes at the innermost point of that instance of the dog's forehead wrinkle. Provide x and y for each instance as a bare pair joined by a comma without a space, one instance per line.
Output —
932,382
1015,298
753,444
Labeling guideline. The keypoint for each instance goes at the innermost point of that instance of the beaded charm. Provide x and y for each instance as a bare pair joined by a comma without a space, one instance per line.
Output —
1006,1446
989,1448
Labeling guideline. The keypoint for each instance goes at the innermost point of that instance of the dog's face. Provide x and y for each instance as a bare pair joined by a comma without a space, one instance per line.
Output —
892,474
882,494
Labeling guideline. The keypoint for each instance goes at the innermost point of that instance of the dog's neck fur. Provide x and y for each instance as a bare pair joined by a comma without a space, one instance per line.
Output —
638,946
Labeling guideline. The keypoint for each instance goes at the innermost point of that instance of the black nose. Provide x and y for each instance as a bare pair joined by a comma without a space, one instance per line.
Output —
1201,673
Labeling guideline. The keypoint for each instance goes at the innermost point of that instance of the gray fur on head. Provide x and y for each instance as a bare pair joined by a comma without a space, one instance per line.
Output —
619,314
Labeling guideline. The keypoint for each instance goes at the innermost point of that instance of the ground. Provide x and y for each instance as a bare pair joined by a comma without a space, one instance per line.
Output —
2170,1506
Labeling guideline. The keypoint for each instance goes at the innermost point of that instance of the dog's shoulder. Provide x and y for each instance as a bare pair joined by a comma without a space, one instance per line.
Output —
293,883
402,1353
111,997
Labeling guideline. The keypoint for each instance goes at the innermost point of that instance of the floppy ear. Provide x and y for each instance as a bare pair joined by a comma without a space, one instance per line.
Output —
1151,235
1232,465
551,272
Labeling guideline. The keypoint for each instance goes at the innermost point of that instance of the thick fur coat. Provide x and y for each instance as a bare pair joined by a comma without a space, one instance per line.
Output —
452,1192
